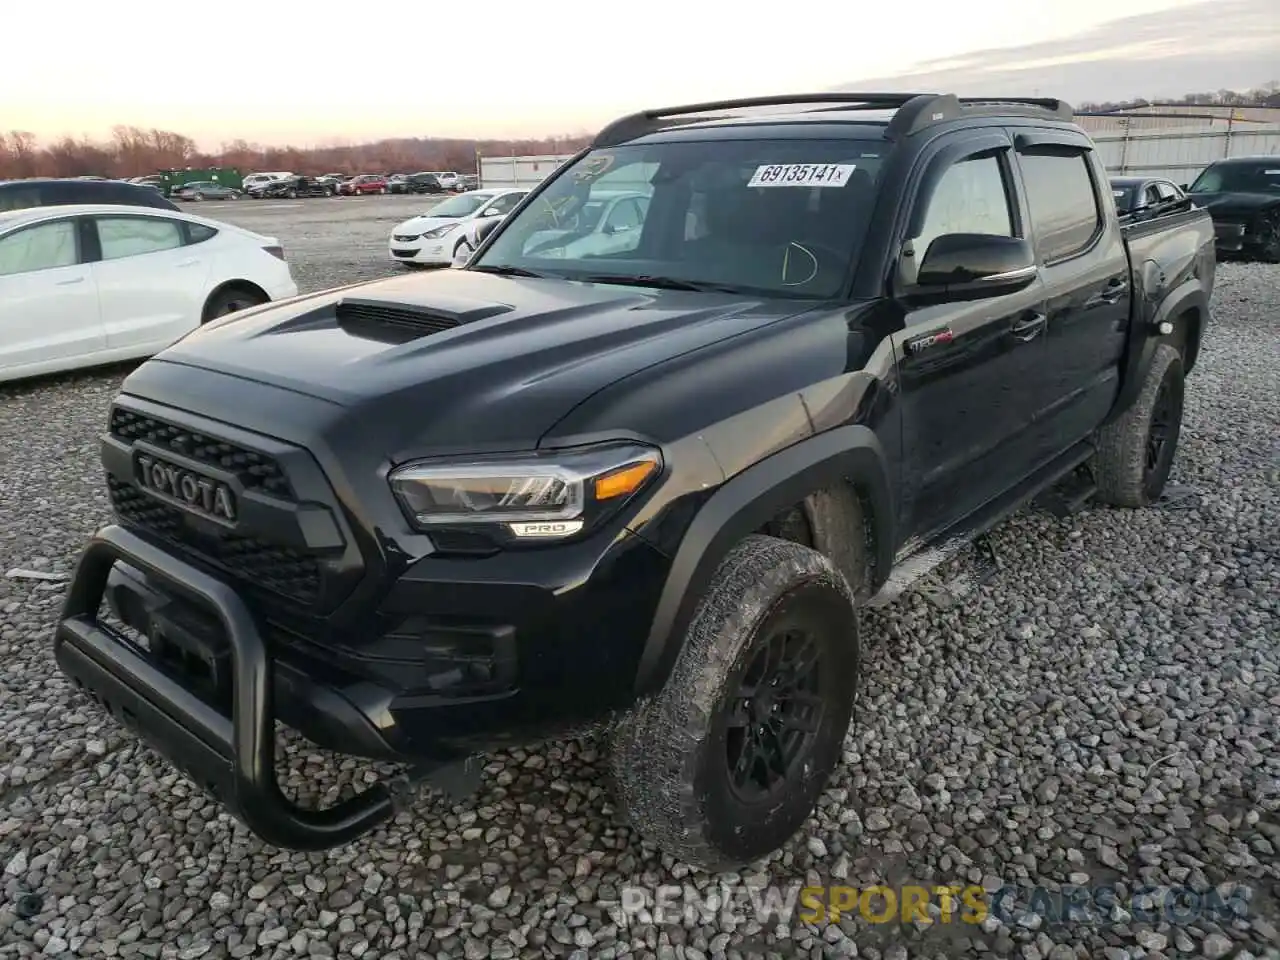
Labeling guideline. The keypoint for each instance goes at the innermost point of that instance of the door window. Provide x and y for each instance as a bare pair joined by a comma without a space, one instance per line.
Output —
625,215
970,197
131,236
505,204
42,247
1064,207
1166,191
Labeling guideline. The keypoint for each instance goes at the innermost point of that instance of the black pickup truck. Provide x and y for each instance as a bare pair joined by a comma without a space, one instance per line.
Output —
634,483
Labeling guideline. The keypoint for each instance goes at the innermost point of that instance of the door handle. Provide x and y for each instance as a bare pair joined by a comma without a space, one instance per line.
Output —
189,263
67,283
1028,327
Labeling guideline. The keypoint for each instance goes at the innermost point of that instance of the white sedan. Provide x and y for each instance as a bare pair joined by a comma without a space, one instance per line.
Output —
83,285
447,231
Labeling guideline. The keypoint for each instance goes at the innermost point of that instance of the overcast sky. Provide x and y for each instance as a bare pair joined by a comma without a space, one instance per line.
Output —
275,71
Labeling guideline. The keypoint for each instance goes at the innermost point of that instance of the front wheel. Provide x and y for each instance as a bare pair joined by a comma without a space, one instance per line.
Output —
724,764
462,251
293,194
1136,450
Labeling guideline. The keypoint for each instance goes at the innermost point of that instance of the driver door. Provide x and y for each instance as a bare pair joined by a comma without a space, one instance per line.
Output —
969,371
48,299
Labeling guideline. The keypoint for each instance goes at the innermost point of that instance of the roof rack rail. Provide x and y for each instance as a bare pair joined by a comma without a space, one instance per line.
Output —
647,121
925,111
913,111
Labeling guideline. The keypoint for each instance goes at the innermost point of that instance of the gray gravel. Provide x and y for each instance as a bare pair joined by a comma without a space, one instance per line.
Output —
1104,709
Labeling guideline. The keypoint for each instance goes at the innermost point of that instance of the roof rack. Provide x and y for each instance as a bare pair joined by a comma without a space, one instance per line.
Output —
913,111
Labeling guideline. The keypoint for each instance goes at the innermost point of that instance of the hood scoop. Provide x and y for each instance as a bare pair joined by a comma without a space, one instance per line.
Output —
396,323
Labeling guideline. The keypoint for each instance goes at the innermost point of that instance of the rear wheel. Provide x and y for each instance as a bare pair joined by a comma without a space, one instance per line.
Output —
232,300
725,763
1136,451
293,194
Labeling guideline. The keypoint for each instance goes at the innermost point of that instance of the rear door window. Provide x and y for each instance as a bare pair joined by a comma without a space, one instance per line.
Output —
1064,208
132,236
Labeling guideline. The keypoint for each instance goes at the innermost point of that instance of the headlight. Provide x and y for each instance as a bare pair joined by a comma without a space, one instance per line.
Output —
438,232
544,496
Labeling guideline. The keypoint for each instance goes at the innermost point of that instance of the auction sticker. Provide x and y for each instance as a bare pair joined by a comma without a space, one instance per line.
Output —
802,175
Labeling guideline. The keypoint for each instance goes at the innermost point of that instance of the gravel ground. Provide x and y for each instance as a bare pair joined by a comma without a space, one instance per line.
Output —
1105,709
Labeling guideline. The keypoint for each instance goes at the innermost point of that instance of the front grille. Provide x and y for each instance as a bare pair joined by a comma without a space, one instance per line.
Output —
412,252
405,237
256,471
282,570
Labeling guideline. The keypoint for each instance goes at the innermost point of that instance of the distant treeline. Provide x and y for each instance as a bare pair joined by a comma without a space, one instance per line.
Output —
132,152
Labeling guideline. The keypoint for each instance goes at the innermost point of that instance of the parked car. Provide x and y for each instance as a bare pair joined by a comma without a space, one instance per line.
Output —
423,183
466,181
44,192
1242,195
362,184
643,493
254,180
609,223
396,183
291,188
82,285
1146,196
204,190
448,179
445,233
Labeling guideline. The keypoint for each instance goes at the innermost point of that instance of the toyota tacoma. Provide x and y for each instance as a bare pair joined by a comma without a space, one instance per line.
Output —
638,489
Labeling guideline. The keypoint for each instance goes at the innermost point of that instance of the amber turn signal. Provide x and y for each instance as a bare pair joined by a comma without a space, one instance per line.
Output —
623,481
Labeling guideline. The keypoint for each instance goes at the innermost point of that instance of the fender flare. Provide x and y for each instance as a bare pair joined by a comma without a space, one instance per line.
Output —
747,501
1187,297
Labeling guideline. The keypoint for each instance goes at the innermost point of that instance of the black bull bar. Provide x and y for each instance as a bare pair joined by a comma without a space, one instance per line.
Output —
233,758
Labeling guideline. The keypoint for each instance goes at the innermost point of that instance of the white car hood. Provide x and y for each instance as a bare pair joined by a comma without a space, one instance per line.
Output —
422,224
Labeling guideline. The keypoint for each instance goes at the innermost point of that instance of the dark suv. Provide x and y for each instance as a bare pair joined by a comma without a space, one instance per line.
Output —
716,383
20,194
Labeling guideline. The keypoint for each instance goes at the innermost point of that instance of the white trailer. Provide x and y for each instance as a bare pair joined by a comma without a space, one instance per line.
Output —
518,171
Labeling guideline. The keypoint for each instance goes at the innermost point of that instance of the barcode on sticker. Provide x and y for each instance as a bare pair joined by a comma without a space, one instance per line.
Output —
802,175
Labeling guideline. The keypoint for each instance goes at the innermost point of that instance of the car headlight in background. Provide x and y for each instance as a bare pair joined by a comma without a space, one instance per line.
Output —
544,496
438,232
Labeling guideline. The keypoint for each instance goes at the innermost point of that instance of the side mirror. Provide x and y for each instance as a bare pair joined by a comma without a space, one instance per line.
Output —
970,266
485,229
1184,187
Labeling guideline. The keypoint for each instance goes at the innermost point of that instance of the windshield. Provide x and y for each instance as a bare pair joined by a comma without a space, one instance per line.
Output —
1260,177
460,205
763,216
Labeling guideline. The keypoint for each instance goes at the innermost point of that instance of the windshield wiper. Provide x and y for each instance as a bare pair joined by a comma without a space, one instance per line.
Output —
664,283
507,271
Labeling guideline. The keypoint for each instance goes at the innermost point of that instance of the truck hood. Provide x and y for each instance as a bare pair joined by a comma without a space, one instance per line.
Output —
1235,203
514,356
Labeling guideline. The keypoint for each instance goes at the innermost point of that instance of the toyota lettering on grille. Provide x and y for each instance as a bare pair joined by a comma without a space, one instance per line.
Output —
186,488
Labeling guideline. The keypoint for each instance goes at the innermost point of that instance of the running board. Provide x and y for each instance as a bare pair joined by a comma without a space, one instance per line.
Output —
917,560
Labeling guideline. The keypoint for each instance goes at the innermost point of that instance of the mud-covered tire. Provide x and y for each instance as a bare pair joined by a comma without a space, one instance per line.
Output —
1136,450
675,753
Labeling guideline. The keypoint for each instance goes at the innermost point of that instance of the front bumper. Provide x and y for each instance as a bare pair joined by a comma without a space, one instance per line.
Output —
432,252
1229,237
231,757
